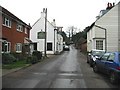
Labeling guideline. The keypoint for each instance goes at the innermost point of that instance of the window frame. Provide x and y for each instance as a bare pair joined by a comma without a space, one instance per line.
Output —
18,47
26,31
19,28
6,47
99,45
7,22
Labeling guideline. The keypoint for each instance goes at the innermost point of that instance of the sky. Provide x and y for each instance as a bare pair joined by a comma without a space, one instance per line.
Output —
67,13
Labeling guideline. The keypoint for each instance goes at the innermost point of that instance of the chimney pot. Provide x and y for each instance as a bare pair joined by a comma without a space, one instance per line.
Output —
113,4
110,5
53,20
43,9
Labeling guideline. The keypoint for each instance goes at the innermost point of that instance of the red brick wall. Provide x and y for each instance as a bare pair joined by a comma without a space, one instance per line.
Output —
13,35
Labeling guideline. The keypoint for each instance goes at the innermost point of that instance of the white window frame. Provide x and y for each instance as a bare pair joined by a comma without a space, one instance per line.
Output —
7,22
19,28
8,47
18,47
100,45
26,31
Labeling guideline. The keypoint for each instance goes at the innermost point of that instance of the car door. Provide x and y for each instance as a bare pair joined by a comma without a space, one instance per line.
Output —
102,61
109,64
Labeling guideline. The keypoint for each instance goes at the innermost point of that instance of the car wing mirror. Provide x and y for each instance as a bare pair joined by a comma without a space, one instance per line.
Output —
99,58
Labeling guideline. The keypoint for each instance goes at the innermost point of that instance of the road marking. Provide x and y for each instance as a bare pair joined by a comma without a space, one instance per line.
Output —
40,73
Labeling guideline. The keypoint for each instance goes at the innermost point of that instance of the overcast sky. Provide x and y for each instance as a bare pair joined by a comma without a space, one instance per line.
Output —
78,13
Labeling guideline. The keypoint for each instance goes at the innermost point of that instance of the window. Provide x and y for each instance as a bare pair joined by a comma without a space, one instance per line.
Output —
35,46
111,57
6,46
18,47
99,44
25,30
105,56
19,28
6,22
49,46
41,35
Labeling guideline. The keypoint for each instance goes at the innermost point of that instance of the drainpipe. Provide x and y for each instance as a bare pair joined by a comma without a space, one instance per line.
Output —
54,41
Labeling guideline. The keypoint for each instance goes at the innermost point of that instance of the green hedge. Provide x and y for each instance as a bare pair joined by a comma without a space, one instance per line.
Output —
32,59
38,54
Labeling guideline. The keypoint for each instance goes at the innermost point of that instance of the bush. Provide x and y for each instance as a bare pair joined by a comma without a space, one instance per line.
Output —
38,54
8,58
18,56
32,59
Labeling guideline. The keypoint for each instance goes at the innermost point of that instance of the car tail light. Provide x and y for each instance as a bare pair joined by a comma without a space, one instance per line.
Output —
118,68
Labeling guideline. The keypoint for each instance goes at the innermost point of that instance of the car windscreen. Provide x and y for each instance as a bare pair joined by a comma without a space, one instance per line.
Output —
98,53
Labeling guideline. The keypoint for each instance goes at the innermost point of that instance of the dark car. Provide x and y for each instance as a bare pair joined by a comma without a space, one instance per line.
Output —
93,55
109,64
66,48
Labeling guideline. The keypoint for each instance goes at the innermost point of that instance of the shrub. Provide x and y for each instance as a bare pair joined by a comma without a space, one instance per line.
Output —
38,54
18,56
32,59
8,58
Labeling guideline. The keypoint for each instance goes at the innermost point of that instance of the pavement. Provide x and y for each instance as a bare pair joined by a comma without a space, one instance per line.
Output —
4,72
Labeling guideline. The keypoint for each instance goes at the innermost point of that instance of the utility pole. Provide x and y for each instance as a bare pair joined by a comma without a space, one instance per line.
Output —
45,32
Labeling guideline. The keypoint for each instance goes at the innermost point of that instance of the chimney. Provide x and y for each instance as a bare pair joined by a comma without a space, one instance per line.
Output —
109,6
43,13
113,4
43,9
53,23
53,20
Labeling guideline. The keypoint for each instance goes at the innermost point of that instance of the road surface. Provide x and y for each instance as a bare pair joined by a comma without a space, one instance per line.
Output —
68,70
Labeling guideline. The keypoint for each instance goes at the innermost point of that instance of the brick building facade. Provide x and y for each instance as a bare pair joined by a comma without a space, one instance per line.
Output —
15,32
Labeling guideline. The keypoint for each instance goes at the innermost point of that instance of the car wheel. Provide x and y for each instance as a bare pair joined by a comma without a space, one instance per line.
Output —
113,78
95,68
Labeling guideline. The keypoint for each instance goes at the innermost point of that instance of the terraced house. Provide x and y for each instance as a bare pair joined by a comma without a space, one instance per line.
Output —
15,32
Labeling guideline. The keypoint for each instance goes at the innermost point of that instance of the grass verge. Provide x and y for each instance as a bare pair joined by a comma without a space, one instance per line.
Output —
17,64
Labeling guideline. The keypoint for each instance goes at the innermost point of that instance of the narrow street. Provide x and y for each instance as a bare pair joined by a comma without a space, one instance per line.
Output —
68,70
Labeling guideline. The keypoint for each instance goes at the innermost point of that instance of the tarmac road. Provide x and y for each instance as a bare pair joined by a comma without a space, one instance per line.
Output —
68,70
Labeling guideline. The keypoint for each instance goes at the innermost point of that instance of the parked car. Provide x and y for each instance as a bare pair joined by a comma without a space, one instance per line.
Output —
109,64
93,55
66,48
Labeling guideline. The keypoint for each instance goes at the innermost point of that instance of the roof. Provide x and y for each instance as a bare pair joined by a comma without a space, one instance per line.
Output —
12,16
39,19
105,12
91,26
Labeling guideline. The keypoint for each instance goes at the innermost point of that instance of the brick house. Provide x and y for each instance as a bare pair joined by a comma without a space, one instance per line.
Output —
15,32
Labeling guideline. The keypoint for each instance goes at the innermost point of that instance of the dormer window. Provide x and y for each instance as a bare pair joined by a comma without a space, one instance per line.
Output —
19,28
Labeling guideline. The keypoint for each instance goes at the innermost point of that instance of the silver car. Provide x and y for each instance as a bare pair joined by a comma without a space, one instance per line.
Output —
93,55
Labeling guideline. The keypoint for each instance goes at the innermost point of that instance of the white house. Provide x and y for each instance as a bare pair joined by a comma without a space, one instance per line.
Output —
54,41
104,33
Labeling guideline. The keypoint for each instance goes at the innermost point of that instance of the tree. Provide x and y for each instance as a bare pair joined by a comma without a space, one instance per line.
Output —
65,38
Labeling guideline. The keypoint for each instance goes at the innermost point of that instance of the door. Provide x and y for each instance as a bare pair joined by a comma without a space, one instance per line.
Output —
102,62
109,63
